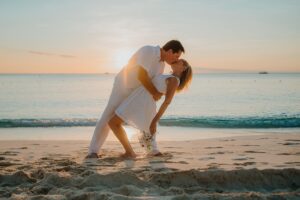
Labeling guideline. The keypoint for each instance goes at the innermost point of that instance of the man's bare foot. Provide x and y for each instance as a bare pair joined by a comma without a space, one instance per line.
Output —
128,155
92,155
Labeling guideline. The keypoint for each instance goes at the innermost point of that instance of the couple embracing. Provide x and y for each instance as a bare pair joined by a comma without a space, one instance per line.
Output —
135,91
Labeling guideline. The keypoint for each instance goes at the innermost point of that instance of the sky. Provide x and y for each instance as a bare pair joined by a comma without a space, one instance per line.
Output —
79,36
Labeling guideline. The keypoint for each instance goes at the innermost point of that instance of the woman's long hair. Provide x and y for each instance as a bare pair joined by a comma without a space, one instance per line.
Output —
186,77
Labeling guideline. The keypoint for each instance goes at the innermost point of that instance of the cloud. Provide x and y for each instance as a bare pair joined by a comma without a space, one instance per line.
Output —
50,54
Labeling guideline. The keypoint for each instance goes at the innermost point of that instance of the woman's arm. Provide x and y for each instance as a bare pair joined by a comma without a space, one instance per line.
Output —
172,85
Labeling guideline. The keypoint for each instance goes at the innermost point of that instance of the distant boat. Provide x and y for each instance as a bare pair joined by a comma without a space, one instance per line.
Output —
263,72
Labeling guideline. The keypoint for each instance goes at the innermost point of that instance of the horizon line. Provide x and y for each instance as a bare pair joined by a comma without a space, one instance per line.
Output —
113,73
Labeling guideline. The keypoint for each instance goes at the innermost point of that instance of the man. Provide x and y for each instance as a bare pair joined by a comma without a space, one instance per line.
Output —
147,62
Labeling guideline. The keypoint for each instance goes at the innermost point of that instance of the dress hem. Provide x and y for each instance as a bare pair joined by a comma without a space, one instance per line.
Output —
127,122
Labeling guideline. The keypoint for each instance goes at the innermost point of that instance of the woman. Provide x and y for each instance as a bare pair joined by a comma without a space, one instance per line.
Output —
139,109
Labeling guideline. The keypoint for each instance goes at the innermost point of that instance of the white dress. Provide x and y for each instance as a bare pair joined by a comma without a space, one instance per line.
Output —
139,108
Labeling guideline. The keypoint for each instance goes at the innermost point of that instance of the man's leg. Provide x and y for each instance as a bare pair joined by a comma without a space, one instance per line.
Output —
118,94
100,134
115,123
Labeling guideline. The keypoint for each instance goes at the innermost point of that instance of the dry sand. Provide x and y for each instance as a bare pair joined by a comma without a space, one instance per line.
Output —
244,167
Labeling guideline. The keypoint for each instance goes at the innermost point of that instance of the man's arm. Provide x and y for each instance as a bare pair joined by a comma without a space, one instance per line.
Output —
147,83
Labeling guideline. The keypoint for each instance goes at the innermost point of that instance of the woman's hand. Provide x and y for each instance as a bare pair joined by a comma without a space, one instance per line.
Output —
153,127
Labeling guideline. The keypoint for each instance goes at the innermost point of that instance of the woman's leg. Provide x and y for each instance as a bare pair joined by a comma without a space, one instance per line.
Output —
115,123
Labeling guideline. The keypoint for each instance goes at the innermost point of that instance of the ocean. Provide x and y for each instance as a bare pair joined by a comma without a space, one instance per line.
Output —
217,101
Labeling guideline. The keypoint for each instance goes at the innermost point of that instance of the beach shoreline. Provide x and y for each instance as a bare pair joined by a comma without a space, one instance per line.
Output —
165,133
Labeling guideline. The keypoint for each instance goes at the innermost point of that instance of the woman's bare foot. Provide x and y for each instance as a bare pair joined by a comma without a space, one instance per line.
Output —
127,155
92,155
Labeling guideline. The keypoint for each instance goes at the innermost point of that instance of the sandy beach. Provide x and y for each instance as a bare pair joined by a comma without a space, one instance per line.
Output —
263,166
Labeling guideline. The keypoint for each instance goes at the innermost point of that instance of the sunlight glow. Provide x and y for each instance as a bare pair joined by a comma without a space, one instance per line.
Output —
121,57
131,133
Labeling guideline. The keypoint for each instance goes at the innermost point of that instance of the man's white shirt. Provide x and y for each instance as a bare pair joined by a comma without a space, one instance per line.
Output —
147,57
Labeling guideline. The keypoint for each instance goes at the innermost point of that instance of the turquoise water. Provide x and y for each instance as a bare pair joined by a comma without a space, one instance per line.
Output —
213,101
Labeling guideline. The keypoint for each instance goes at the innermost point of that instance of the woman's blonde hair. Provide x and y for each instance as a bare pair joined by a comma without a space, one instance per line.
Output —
186,76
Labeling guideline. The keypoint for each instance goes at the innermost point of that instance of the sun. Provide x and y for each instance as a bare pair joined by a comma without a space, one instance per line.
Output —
121,58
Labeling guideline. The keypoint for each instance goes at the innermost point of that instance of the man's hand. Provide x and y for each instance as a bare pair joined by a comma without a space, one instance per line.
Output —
147,83
153,127
157,96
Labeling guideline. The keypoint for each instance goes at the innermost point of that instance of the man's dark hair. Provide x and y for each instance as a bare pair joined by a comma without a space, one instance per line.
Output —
175,45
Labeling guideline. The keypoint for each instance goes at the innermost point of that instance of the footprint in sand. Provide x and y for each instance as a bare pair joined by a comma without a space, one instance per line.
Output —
20,148
174,152
290,143
288,154
238,168
65,162
292,163
45,158
213,166
220,152
213,147
284,154
111,160
9,153
156,161
264,138
292,140
227,140
245,163
59,155
264,163
280,166
254,152
207,158
243,158
24,167
180,162
7,164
